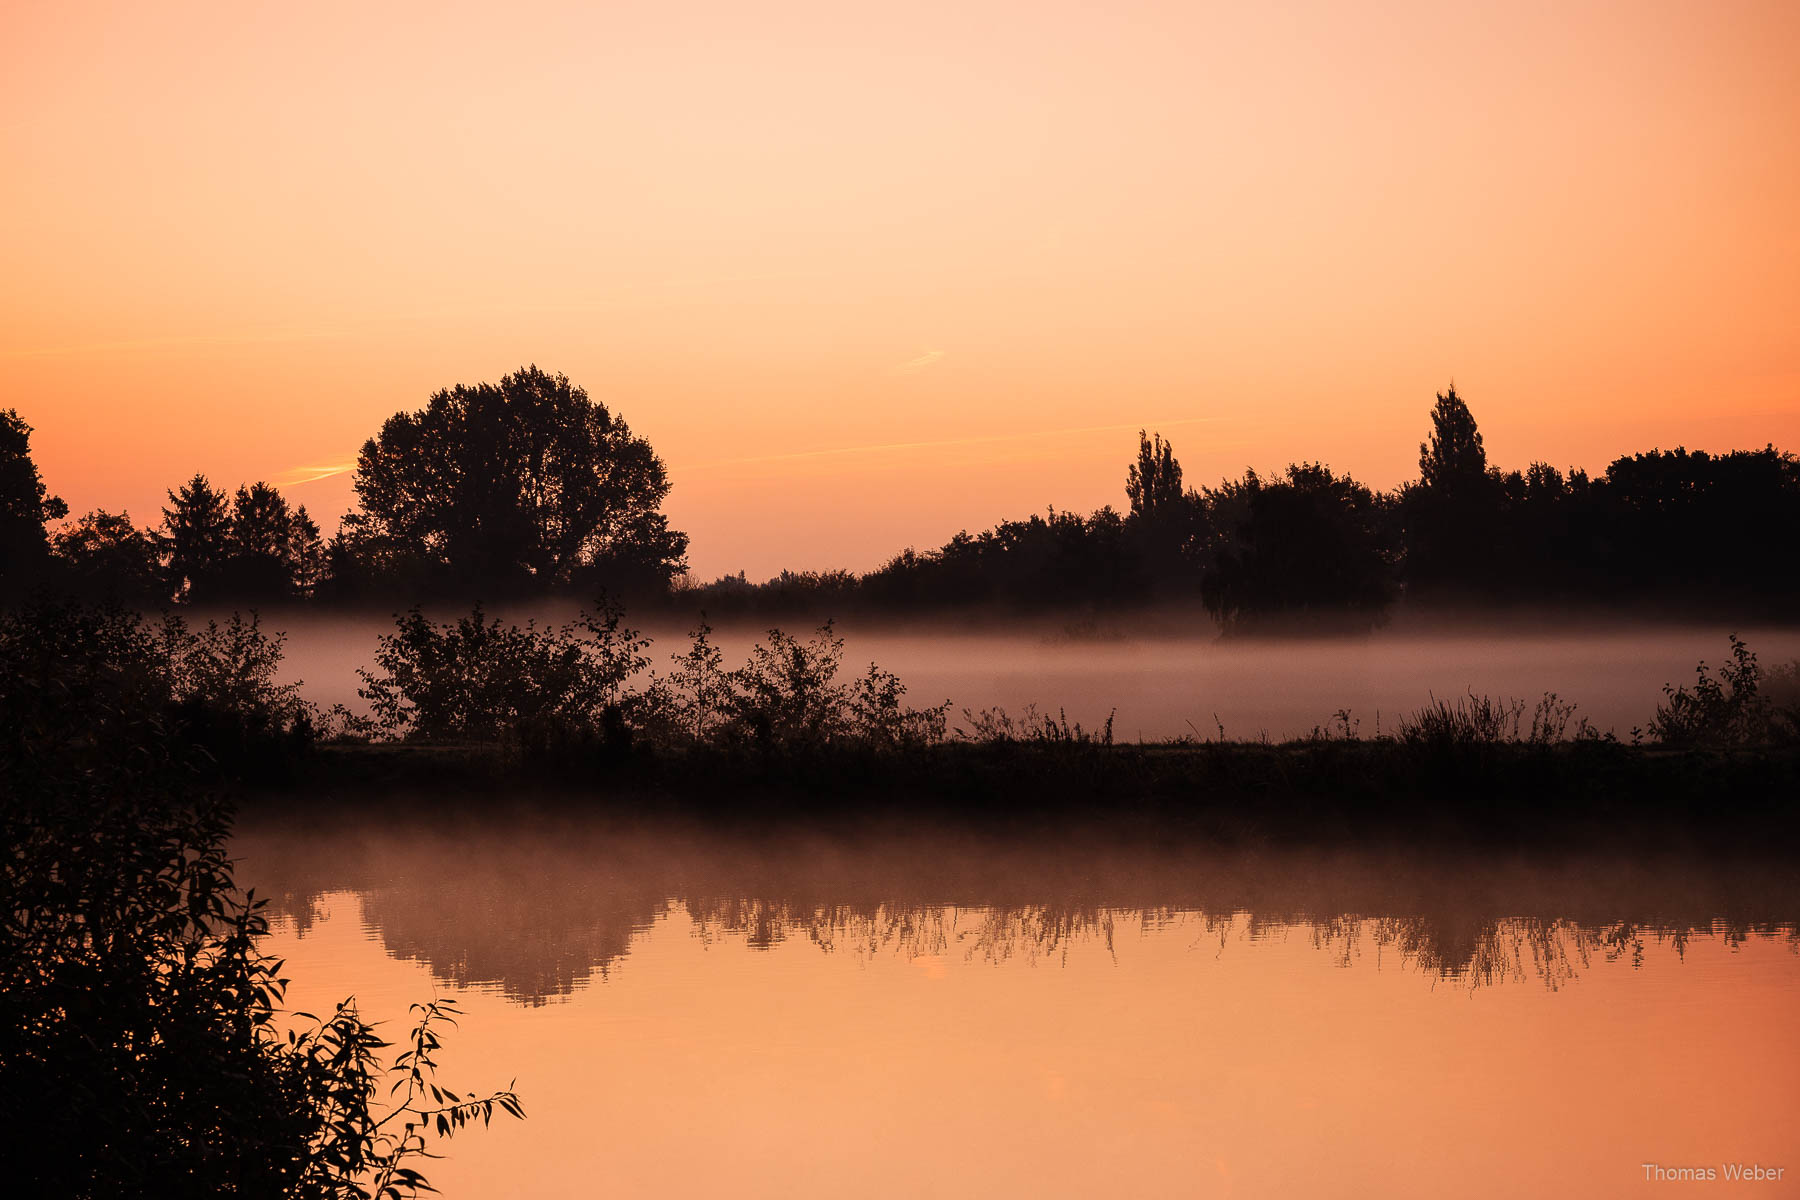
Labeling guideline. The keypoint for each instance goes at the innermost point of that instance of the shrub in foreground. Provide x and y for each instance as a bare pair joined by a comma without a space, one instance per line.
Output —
1729,706
141,1039
788,695
89,681
142,1048
478,679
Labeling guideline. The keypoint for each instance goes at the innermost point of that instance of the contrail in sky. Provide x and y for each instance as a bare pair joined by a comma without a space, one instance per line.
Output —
304,475
301,475
914,365
972,441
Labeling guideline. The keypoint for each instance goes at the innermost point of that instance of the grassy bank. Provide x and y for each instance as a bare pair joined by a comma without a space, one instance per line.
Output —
1310,791
479,711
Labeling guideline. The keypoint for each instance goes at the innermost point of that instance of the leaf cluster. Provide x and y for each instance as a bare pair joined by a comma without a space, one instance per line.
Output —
143,1047
1728,706
480,679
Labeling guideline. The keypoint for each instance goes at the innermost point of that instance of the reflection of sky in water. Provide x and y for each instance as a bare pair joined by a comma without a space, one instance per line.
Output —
691,1016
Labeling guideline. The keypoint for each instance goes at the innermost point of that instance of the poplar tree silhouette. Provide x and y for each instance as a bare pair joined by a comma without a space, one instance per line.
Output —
1452,513
1453,458
1153,482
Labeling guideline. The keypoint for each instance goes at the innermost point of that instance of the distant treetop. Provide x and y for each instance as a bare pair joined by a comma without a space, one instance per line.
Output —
1153,482
526,483
25,504
1454,456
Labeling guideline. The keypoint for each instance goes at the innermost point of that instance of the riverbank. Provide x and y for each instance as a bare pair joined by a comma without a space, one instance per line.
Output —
1314,791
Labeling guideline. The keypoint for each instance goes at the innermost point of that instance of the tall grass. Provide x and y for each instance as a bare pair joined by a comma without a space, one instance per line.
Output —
1480,720
1031,727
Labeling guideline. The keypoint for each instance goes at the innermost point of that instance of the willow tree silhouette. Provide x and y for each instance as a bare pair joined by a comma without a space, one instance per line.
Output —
525,484
25,505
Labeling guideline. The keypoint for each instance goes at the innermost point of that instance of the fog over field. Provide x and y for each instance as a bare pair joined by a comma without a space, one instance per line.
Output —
1166,684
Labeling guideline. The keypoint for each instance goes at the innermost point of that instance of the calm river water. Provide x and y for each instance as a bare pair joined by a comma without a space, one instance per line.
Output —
913,1013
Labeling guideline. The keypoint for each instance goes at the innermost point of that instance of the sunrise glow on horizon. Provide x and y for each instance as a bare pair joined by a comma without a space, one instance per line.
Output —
865,276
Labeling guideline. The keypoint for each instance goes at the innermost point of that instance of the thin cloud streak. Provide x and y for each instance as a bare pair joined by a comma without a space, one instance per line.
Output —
300,476
932,445
913,366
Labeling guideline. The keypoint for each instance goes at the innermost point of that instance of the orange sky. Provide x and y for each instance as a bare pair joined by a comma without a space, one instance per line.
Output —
867,275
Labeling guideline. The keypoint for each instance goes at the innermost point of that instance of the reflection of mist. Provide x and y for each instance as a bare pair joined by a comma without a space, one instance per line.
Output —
539,907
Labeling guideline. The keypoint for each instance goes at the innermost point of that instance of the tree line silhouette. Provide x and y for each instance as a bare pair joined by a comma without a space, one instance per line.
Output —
522,487
530,487
1663,529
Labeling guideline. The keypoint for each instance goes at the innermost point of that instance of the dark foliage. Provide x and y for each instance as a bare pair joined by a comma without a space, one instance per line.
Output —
262,539
788,696
1153,482
1312,544
1053,561
25,506
1739,704
524,485
104,556
528,487
583,686
1690,523
143,1051
785,726
476,679
96,682
196,537
1452,513
249,548
1674,530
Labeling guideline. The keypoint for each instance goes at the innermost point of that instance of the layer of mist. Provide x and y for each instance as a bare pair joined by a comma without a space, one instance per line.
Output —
1165,682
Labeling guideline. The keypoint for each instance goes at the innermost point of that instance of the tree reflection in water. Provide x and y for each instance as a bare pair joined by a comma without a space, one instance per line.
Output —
537,906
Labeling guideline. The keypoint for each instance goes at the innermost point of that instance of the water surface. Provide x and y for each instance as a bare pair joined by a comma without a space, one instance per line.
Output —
911,1012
